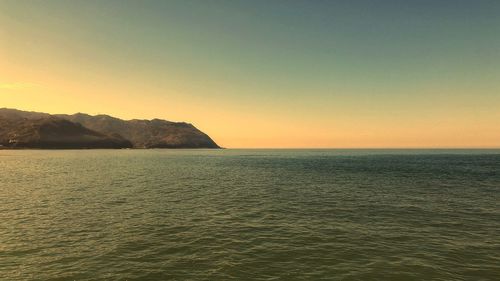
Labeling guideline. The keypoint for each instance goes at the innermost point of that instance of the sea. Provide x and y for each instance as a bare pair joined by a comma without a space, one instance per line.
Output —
238,214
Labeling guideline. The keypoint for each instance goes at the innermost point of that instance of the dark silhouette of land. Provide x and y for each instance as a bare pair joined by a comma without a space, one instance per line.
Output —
23,129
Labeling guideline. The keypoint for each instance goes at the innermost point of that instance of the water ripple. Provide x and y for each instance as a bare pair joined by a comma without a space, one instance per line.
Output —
249,215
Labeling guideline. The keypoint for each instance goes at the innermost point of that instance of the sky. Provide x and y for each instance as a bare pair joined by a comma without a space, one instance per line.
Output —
265,74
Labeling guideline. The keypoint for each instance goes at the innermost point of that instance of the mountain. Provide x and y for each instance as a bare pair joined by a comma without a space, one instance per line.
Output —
42,130
53,132
154,133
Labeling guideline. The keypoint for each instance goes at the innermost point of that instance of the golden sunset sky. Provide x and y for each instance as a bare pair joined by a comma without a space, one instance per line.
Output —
287,74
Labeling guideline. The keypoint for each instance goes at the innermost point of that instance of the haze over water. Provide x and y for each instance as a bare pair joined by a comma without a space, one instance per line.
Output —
250,215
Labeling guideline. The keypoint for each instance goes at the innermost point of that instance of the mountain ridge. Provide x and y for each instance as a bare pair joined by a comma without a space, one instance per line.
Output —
96,131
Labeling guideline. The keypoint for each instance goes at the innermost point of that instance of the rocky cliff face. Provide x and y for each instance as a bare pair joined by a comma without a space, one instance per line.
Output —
41,130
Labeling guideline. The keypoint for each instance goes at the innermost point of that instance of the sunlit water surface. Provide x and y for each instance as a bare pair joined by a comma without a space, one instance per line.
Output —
250,215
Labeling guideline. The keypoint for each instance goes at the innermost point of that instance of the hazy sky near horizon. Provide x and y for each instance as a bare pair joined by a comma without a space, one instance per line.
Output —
265,73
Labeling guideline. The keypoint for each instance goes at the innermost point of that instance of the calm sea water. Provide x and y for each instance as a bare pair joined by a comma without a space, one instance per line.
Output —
250,215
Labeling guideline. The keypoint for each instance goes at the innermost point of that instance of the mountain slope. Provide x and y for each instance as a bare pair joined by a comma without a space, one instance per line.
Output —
52,132
154,133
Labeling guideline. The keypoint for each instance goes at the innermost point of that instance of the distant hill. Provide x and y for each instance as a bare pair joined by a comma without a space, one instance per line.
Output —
45,131
22,129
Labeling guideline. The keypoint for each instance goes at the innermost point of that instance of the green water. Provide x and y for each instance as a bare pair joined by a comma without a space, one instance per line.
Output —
250,215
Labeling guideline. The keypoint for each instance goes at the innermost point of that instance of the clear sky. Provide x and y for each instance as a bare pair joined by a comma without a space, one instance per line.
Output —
372,73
